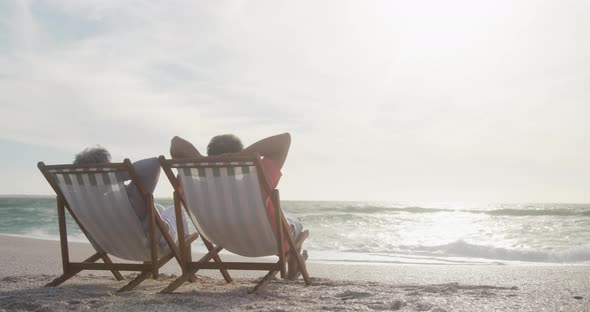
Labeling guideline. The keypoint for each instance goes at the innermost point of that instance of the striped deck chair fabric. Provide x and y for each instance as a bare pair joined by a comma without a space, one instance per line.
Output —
96,198
225,197
100,202
226,205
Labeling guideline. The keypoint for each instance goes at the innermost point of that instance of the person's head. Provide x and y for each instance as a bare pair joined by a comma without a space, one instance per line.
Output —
225,143
93,155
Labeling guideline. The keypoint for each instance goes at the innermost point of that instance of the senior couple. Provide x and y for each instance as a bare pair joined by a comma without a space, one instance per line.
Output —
273,150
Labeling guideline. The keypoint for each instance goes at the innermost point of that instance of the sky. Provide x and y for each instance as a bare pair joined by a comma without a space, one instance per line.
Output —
439,101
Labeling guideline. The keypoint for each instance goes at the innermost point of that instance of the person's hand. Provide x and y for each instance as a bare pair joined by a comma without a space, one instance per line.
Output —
181,148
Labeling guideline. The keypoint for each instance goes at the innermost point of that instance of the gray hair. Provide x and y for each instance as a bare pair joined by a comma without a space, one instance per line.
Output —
93,155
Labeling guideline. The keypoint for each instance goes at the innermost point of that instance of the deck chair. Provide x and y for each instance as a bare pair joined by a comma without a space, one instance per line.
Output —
95,196
225,199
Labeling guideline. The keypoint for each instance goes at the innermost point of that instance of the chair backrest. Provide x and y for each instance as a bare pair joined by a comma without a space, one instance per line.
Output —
226,203
97,197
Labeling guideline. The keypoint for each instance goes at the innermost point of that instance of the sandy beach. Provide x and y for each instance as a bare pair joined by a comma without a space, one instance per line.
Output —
27,264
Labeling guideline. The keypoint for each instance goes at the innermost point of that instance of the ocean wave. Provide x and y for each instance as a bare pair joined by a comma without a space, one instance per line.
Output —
536,212
367,209
509,212
46,235
461,248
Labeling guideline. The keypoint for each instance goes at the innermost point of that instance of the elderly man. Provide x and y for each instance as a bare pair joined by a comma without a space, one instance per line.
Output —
274,152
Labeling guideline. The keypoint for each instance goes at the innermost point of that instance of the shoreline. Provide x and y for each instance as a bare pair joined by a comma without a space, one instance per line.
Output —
27,264
353,258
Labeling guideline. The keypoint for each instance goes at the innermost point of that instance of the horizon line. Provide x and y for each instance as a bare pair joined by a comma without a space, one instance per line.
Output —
336,200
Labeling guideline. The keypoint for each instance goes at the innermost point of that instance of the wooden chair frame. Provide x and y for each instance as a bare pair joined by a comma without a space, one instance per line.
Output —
147,268
281,233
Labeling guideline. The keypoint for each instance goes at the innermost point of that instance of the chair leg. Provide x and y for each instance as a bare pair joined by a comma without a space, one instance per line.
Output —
300,268
210,255
146,274
154,271
189,275
189,254
293,258
136,281
155,274
179,281
71,273
116,273
303,268
189,259
64,277
265,280
213,252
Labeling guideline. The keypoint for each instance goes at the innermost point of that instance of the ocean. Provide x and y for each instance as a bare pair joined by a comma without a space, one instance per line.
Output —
393,232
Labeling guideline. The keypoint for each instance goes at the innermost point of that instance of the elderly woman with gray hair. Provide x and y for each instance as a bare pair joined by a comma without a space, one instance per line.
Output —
148,171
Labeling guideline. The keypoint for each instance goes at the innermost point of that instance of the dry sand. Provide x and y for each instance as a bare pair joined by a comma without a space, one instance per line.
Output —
27,264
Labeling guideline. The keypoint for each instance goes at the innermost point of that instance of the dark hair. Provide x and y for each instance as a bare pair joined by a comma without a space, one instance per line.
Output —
225,143
93,155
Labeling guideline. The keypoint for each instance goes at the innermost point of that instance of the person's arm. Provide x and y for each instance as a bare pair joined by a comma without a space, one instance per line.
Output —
148,171
181,148
275,147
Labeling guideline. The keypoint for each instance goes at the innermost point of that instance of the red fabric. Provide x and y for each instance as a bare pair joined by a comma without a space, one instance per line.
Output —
273,174
272,171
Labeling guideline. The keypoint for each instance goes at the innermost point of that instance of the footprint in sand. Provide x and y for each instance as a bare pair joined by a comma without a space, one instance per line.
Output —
22,306
350,294
391,306
423,306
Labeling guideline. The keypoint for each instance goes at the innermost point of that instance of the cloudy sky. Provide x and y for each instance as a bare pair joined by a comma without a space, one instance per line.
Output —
448,101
